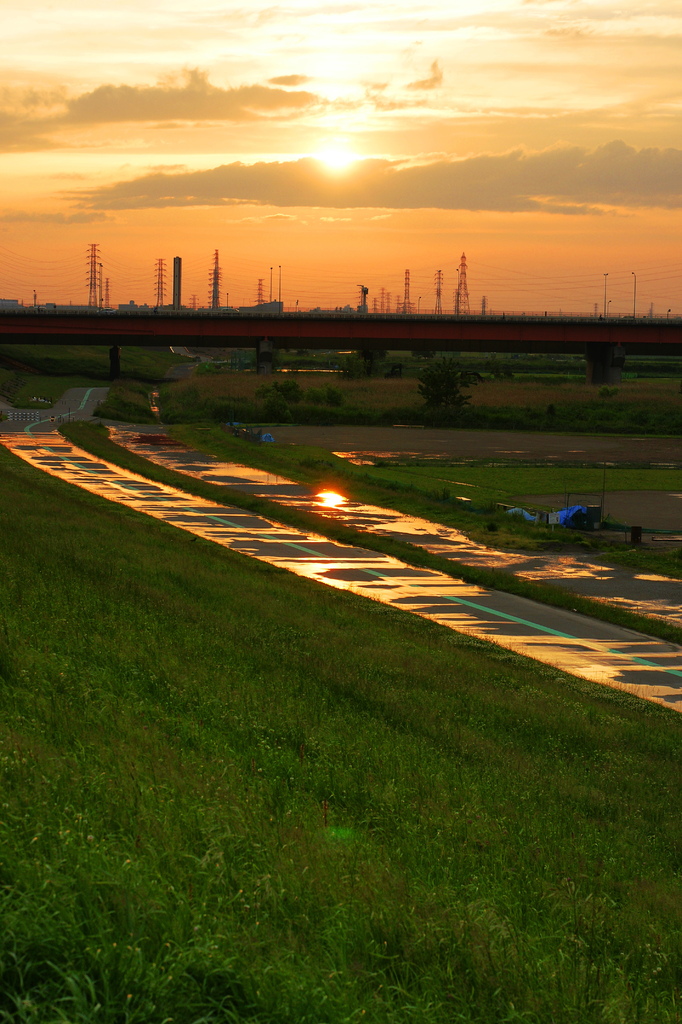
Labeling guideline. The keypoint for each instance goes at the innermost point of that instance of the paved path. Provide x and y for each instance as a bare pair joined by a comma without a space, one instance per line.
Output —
585,574
570,642
75,404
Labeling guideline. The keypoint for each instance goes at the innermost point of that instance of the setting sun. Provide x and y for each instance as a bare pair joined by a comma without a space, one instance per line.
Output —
336,158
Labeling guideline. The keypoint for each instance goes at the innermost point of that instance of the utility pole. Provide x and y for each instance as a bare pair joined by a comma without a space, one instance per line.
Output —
605,276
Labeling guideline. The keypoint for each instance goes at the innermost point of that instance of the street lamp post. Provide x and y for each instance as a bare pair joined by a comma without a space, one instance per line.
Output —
605,306
419,302
634,295
279,288
270,284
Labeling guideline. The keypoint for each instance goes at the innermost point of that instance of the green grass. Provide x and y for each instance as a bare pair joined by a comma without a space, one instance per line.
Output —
483,484
211,813
127,401
95,440
92,361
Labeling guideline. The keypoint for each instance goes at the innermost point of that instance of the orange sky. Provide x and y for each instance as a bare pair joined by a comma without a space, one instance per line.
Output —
345,143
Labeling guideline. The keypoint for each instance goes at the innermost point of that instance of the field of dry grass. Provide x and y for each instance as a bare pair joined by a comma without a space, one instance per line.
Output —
381,393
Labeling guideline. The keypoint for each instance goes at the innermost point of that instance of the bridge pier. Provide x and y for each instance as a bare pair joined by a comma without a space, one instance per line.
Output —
264,349
604,362
114,362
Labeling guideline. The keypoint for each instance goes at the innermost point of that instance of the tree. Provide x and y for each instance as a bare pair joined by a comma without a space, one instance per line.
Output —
443,385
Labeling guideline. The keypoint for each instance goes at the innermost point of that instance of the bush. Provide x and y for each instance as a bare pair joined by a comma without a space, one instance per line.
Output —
442,385
290,390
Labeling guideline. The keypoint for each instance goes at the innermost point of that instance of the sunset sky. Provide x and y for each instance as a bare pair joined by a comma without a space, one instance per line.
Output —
346,143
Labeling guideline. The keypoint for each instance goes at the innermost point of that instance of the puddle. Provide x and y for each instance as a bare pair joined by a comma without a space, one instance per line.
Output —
572,643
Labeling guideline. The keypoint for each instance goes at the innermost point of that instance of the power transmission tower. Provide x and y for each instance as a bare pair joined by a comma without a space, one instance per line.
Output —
261,292
462,301
107,304
407,305
93,277
484,306
362,298
214,283
193,302
160,283
439,292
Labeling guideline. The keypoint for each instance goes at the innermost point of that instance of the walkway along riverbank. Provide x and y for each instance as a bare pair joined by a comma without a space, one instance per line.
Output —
572,643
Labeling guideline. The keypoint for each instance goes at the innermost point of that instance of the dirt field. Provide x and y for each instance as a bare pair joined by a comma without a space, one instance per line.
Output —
652,510
395,442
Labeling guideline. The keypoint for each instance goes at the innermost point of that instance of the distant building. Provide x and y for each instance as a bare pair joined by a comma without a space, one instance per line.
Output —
264,307
11,304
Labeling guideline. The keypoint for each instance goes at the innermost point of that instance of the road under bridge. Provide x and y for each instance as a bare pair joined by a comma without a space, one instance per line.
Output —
604,342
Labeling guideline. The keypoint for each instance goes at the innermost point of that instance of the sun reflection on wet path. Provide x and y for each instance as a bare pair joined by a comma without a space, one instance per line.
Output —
579,573
573,643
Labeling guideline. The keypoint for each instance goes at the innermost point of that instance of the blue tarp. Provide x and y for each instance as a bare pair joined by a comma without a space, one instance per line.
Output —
521,512
573,517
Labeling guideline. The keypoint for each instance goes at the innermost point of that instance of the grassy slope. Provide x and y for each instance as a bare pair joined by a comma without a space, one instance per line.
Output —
501,843
67,366
94,440
127,401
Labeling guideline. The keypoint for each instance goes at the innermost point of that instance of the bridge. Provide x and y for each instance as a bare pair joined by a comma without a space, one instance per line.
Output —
603,341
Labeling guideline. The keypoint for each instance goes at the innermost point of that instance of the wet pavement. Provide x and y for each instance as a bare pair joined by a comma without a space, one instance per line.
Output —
570,642
586,574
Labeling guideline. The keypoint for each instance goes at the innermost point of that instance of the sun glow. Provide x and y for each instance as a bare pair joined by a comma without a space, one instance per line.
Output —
330,499
336,158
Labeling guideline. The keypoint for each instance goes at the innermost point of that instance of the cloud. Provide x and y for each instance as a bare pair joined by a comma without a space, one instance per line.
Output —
192,98
562,179
32,120
289,80
21,216
432,82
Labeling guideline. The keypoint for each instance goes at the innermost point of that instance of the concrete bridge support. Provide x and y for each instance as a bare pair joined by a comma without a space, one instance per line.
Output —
114,362
604,362
264,348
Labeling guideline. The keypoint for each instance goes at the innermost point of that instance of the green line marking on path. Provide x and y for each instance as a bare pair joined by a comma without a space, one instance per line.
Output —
553,632
29,427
